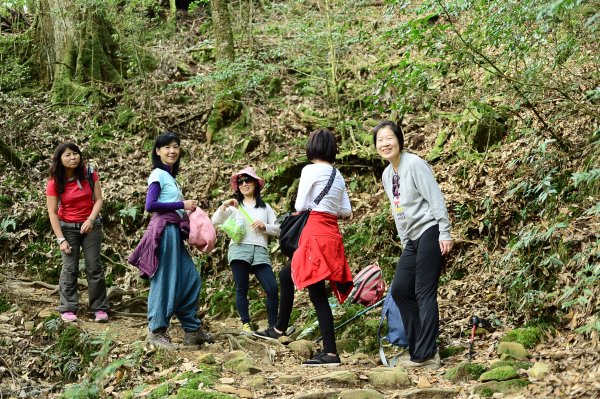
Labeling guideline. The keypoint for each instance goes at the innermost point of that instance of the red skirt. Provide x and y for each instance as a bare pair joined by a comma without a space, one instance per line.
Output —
321,256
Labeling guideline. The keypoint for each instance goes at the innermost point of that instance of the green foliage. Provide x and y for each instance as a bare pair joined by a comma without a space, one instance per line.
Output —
72,350
222,303
92,385
451,350
4,304
250,76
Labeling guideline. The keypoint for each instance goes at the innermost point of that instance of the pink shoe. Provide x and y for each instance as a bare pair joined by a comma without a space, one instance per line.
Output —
68,317
101,316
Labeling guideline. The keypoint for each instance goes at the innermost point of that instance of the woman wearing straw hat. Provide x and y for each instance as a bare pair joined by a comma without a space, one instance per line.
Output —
250,255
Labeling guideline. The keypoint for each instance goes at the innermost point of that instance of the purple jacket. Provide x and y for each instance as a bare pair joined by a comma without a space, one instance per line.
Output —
144,256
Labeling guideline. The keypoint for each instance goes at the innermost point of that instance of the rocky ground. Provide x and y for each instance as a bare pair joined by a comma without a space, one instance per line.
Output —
563,366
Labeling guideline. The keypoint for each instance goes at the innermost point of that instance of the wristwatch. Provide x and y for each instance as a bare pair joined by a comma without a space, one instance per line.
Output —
60,240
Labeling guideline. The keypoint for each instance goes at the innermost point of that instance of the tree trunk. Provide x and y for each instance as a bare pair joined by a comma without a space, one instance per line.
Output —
222,31
75,49
226,108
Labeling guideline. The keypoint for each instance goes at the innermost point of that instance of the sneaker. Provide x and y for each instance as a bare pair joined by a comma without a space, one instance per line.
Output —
433,363
197,337
160,339
68,317
268,333
247,329
101,317
323,359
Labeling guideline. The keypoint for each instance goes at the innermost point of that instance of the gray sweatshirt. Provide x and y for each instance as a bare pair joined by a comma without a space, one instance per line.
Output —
421,204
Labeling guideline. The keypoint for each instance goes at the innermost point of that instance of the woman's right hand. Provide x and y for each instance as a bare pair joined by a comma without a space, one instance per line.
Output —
190,205
229,202
65,247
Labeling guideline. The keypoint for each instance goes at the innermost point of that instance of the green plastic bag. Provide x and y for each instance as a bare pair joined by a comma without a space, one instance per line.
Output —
234,228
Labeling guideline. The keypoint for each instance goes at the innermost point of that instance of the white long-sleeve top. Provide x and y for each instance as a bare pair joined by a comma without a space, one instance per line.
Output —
313,180
253,236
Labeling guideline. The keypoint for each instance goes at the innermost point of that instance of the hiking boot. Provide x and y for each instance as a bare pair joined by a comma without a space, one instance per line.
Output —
69,317
247,329
268,333
160,339
323,359
197,337
433,363
101,317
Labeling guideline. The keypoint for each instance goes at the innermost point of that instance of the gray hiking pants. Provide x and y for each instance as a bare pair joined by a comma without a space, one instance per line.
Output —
90,244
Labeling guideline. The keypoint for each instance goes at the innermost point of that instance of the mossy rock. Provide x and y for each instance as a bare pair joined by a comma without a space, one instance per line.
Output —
513,349
488,389
516,364
529,337
483,126
503,373
438,147
465,372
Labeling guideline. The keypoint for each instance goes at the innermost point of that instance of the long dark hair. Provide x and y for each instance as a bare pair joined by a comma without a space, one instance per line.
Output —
162,140
57,169
257,197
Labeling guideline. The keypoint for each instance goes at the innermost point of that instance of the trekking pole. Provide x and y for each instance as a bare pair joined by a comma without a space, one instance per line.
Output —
362,312
474,322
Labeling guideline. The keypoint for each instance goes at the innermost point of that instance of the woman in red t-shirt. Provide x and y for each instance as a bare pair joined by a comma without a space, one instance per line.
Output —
74,212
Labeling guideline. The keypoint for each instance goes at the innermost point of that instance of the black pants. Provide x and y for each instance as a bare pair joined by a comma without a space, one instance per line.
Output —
318,296
414,290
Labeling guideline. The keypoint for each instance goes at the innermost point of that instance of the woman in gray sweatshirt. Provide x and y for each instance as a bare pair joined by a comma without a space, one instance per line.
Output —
421,219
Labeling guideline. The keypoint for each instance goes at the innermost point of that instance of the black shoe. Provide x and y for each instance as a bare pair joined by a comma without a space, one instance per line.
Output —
197,337
268,333
323,359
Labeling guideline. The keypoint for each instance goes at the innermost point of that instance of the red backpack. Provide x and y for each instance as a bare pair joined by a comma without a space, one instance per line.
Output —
369,286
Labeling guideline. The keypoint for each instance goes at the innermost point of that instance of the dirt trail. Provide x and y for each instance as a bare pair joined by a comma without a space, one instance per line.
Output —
277,370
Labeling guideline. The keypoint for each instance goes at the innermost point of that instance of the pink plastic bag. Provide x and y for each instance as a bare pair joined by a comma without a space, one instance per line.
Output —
202,232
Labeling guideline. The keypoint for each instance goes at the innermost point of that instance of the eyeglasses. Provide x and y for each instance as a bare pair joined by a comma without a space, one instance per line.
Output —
243,180
396,185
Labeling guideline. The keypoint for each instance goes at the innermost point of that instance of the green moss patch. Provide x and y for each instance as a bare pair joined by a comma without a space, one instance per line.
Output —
529,337
465,372
503,373
488,389
513,363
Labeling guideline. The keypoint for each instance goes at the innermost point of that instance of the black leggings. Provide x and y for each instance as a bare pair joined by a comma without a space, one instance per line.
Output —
318,296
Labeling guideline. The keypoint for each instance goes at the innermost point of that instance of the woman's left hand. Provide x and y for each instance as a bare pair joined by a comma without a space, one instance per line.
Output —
87,226
445,247
258,225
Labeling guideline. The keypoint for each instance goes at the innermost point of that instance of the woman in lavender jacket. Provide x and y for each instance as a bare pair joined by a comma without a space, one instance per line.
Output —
161,254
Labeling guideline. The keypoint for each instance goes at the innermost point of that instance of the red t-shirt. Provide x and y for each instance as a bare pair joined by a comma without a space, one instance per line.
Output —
75,203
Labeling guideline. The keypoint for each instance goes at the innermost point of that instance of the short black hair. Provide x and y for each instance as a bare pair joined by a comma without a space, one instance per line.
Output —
394,128
162,140
321,145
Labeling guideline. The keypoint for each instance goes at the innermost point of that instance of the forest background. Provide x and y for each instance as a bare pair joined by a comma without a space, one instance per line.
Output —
502,98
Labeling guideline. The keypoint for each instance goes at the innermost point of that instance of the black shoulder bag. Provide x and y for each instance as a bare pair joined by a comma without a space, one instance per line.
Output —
291,227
